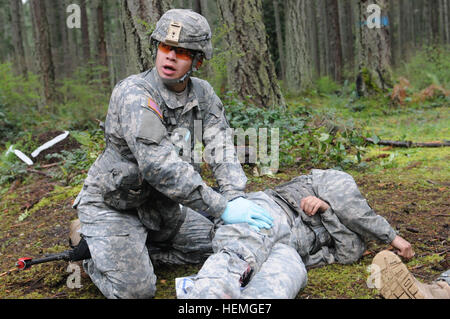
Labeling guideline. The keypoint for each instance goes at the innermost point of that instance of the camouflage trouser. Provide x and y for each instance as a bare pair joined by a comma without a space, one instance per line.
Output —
281,276
239,248
121,266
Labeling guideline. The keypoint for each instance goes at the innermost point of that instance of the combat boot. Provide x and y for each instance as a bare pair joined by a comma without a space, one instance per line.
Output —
396,282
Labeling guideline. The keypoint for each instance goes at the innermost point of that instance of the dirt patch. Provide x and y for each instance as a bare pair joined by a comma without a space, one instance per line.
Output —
420,214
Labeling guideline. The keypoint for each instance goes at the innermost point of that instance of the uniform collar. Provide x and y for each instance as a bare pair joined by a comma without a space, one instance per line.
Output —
169,97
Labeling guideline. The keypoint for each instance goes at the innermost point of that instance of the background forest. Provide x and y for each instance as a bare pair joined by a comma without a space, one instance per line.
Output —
340,79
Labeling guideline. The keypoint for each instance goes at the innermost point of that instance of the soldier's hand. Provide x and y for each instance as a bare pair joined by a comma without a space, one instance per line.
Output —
311,205
241,210
403,247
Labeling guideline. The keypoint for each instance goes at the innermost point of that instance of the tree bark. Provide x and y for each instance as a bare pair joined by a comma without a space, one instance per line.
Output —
313,39
252,74
43,49
394,23
374,74
334,39
445,10
85,32
17,38
66,60
322,37
101,42
347,24
139,18
115,42
434,18
279,40
298,60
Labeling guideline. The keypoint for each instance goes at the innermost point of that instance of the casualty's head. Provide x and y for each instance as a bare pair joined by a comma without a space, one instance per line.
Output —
183,40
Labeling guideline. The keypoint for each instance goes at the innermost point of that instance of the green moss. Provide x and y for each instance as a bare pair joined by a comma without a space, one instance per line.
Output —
56,196
339,281
369,82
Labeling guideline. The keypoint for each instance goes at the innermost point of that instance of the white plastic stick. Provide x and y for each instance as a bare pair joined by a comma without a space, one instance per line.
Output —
50,143
23,157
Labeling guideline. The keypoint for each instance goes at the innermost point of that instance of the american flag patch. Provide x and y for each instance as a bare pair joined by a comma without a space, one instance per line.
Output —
155,107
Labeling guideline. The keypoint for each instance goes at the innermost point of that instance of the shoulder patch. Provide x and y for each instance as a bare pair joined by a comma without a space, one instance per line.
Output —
150,127
152,105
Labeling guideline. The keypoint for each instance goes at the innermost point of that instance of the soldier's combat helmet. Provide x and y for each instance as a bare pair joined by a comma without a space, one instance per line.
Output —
186,29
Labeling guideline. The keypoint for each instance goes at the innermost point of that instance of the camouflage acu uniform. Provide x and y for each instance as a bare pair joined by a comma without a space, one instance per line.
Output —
133,191
277,257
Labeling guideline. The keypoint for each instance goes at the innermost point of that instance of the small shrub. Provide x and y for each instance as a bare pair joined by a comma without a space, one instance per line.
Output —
325,85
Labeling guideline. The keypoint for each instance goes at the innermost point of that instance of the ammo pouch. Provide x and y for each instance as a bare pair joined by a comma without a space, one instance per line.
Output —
122,185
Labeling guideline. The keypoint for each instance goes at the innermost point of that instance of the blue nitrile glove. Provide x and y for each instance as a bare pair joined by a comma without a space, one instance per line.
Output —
241,210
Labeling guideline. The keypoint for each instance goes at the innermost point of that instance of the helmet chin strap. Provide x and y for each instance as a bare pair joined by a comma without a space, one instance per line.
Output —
172,82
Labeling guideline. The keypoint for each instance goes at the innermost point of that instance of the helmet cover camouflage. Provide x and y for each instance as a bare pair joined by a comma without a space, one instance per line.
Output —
186,29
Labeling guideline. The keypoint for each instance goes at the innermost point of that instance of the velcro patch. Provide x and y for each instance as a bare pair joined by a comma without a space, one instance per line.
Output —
152,104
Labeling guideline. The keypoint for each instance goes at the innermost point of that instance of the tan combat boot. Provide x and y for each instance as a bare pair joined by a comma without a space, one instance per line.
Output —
396,282
74,234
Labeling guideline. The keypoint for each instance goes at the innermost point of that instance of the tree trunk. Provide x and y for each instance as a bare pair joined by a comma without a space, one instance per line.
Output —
17,29
347,23
139,17
313,39
53,18
43,49
101,42
434,18
279,40
85,32
66,60
298,60
322,37
334,39
374,74
252,73
394,19
445,9
115,42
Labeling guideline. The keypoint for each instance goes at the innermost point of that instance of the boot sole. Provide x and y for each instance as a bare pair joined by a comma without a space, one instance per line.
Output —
396,282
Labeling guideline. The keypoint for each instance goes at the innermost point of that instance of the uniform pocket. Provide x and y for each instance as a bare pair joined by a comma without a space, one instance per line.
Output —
122,185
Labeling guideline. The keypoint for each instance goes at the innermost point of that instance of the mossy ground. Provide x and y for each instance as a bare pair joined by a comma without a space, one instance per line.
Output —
409,187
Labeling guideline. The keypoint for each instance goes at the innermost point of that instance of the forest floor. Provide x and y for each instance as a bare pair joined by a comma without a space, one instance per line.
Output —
408,186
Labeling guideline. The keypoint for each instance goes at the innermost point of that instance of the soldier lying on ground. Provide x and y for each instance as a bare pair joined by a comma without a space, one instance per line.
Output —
133,191
321,218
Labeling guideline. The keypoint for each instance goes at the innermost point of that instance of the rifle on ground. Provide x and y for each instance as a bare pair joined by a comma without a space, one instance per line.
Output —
77,253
